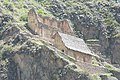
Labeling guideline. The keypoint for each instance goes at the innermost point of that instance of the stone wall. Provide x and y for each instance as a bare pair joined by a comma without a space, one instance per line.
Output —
79,56
61,25
33,21
45,26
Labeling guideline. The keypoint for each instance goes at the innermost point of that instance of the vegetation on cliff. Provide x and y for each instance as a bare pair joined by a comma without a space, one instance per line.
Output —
103,15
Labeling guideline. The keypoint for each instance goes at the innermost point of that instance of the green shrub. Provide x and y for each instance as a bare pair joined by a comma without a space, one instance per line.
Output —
110,67
39,11
5,48
24,18
8,5
96,78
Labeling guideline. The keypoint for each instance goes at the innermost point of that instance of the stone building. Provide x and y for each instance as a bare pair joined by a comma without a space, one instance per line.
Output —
73,46
46,26
59,33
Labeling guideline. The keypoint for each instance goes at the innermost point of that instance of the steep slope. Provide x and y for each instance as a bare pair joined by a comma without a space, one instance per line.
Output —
29,57
26,56
92,19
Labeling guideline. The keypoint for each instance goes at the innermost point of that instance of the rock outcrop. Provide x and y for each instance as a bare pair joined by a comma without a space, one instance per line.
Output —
35,60
116,51
32,58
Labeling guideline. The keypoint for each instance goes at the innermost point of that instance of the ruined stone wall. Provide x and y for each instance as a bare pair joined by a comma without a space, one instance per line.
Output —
65,27
33,21
45,26
62,26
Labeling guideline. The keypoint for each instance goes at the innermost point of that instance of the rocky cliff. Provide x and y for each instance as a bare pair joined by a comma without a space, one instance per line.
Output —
28,57
24,56
31,58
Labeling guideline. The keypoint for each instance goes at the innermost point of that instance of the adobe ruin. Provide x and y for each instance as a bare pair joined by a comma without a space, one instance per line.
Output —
46,27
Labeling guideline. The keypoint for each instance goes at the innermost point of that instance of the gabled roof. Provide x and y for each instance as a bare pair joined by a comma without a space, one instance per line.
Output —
74,43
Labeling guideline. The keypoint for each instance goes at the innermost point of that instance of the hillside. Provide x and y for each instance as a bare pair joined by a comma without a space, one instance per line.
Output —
92,19
25,56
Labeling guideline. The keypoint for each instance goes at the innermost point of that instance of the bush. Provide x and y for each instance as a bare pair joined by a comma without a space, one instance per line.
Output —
8,5
24,18
39,11
4,48
40,0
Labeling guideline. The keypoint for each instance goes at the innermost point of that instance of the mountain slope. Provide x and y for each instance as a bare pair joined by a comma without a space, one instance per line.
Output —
33,59
92,19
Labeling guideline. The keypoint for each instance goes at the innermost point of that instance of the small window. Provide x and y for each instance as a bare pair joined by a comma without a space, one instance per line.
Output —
63,51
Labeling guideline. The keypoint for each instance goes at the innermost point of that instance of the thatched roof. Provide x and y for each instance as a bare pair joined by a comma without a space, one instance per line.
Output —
74,43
